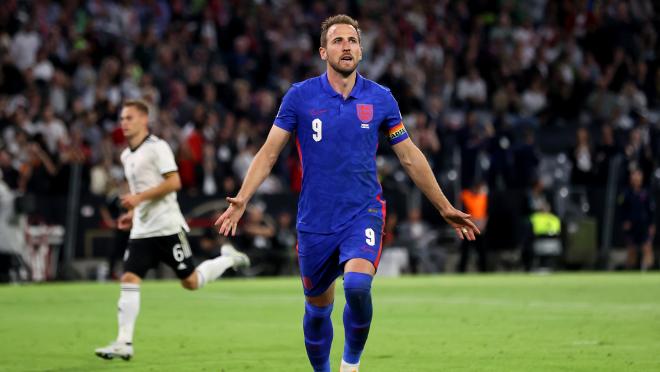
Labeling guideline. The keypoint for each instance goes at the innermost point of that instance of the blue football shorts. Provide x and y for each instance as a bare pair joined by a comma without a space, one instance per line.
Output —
322,256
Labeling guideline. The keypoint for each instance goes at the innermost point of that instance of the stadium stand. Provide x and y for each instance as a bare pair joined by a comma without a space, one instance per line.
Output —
563,95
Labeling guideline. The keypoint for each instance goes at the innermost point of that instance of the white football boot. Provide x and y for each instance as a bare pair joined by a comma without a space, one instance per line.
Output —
240,258
347,367
115,349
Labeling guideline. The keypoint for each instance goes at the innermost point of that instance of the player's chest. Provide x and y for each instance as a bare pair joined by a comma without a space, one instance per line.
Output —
140,164
340,120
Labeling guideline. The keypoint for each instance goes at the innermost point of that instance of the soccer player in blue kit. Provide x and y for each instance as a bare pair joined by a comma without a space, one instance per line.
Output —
336,118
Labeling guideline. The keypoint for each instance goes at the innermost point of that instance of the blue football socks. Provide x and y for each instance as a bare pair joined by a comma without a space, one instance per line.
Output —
317,327
357,314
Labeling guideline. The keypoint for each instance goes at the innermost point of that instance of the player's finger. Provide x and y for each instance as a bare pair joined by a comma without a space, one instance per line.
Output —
233,229
223,217
470,234
219,223
459,233
231,200
472,226
226,226
222,227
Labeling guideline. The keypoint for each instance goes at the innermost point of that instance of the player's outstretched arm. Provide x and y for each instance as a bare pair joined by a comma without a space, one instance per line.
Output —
418,169
259,169
171,183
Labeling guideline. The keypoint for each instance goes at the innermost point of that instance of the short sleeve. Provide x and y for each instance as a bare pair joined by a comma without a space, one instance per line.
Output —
393,124
286,116
165,158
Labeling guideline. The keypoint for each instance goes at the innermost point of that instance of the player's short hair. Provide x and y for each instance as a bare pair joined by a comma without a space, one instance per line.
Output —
138,104
339,19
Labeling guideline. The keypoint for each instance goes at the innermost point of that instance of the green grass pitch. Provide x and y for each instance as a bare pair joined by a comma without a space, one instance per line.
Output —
560,322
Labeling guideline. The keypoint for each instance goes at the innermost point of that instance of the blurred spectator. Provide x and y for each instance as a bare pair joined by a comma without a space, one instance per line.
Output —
471,89
638,155
526,161
53,130
533,100
214,73
638,215
475,202
24,46
417,235
110,212
582,158
258,232
606,150
538,203
284,244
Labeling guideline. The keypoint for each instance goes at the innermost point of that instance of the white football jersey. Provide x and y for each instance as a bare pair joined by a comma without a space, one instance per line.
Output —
144,168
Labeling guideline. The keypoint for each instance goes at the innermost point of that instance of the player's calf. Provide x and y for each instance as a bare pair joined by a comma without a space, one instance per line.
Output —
212,269
317,327
357,316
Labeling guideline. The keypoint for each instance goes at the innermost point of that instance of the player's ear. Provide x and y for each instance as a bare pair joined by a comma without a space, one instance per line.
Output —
323,53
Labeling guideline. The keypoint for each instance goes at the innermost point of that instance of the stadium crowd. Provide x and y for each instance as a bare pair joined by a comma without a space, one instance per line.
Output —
476,78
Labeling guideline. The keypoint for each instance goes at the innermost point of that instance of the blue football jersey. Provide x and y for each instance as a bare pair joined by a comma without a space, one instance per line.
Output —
337,140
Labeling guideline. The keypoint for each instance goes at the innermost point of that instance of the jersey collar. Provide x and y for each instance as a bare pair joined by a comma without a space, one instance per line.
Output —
355,92
140,144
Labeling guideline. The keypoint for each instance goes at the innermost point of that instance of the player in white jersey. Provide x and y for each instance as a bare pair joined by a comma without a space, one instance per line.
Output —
158,229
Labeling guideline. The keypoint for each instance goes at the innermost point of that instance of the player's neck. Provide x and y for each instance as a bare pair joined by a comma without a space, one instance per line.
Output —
341,84
135,141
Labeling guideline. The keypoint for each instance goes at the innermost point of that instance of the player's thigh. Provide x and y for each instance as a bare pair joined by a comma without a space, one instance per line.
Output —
140,256
175,252
361,246
318,258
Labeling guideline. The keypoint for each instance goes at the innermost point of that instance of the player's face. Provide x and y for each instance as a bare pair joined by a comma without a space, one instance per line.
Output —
342,51
132,121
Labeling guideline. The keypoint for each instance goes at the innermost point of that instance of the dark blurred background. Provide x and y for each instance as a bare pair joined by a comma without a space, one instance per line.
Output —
539,117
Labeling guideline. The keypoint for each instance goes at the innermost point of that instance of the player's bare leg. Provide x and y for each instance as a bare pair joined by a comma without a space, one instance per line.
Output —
128,309
325,299
358,274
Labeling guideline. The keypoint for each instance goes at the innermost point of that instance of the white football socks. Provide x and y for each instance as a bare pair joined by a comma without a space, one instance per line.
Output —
128,309
211,270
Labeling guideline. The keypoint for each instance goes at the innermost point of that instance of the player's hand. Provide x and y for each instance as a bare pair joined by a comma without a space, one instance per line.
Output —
228,221
131,201
125,221
462,223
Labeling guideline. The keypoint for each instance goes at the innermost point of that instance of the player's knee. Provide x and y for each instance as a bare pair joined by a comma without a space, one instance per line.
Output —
315,315
359,282
129,277
189,284
357,288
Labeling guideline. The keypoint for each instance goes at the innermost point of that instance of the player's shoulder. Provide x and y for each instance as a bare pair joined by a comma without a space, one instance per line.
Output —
153,139
372,87
308,85
156,143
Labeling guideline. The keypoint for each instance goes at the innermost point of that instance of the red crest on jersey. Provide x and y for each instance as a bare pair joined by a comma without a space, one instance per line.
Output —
365,112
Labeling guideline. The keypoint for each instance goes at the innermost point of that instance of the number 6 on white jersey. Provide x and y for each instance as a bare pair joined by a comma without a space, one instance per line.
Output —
371,236
317,126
